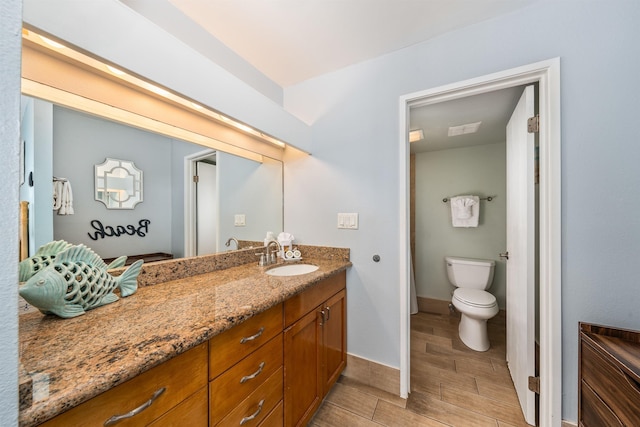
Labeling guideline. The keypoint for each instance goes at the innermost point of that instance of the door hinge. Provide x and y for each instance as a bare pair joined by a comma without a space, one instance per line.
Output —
196,178
533,124
534,384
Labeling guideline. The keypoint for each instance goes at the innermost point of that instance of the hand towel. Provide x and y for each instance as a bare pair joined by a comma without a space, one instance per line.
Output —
62,196
465,211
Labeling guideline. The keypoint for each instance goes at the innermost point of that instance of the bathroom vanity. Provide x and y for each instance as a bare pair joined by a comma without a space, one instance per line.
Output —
233,346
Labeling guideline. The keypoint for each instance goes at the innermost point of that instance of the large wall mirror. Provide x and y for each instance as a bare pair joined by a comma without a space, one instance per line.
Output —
179,215
66,132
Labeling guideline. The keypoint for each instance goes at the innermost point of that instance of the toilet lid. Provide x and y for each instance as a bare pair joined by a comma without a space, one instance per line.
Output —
475,297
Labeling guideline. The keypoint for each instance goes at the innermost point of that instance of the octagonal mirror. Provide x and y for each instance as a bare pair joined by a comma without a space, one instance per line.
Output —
118,184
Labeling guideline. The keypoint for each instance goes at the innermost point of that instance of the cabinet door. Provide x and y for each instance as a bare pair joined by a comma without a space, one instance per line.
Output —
334,331
303,387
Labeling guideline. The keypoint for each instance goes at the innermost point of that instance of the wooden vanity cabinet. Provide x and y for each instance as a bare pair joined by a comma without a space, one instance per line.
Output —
254,374
245,372
314,347
184,397
608,376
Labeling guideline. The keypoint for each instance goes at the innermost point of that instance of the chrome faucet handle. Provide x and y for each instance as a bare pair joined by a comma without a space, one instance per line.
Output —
271,255
263,260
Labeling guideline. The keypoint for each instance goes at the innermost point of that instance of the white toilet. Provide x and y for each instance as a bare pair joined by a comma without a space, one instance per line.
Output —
472,277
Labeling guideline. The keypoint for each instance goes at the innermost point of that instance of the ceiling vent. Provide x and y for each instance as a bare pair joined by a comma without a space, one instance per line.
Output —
464,129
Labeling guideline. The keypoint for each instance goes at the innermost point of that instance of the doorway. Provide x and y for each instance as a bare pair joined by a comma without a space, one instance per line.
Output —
197,207
546,75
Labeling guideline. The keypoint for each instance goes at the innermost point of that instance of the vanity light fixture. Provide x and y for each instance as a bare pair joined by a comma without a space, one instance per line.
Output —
115,70
52,43
137,81
464,129
416,135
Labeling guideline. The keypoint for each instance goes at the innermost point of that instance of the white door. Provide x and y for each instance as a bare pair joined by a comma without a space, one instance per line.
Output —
521,249
206,200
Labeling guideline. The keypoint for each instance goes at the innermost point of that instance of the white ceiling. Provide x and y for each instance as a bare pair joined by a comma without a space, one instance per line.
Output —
493,109
293,40
290,41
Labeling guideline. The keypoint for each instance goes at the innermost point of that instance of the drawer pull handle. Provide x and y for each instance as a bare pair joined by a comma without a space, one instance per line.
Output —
254,415
111,421
252,376
322,317
252,337
328,312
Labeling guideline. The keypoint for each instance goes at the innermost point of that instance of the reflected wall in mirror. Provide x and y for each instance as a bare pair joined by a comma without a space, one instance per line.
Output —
118,184
243,187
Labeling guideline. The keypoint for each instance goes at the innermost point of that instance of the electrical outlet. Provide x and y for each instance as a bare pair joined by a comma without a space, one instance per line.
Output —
240,220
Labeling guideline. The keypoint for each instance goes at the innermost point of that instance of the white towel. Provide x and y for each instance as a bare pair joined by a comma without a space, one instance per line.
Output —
465,211
62,196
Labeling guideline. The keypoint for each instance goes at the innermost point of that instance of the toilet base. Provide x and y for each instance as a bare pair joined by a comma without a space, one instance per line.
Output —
473,333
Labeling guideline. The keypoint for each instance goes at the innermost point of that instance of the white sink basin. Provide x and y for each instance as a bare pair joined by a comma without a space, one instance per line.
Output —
292,270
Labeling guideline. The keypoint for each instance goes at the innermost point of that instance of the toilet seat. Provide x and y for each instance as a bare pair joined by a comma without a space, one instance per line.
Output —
475,297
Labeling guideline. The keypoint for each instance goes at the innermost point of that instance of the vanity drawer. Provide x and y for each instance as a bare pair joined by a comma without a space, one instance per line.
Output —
181,377
193,412
255,408
275,418
299,305
230,388
594,411
616,389
226,349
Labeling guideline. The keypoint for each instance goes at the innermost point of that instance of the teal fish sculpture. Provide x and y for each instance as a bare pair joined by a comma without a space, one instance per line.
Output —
46,254
75,281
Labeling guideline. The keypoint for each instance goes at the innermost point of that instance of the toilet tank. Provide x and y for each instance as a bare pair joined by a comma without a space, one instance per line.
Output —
470,273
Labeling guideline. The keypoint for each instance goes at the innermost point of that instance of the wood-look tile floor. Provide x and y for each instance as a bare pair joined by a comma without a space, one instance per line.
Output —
451,384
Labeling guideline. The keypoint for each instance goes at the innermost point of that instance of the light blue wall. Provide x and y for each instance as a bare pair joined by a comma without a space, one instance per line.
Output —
40,210
480,171
353,137
250,188
82,141
36,128
10,45
354,117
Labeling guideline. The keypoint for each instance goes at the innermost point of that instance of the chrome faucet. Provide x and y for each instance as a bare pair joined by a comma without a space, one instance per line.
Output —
272,257
229,242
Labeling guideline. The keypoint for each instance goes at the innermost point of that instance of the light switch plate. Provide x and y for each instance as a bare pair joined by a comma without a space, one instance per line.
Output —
240,220
348,221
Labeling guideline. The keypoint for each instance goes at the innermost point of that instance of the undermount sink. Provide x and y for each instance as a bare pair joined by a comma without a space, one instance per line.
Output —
292,270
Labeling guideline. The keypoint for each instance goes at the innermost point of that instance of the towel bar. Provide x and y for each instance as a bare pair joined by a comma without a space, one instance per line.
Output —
488,199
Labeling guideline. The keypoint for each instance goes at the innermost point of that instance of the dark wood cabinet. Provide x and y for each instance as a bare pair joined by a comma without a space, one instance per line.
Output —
609,376
314,347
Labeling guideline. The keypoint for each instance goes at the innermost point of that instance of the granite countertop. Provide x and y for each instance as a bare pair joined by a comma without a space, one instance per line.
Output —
69,361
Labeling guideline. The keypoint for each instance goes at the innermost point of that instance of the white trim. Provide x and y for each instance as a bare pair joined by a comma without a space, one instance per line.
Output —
190,200
547,75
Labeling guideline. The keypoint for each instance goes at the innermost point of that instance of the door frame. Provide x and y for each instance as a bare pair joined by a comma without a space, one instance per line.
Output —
547,75
190,218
